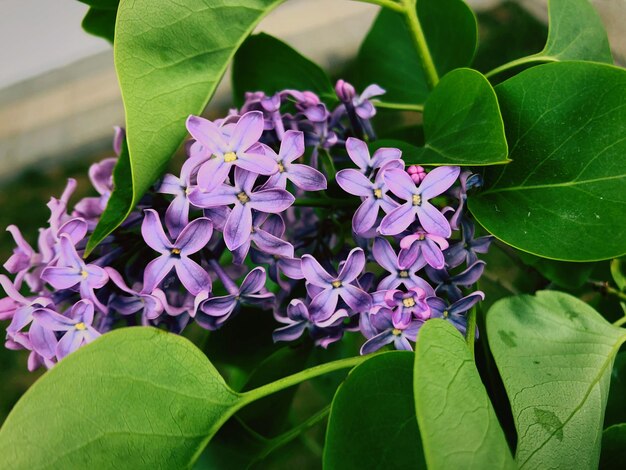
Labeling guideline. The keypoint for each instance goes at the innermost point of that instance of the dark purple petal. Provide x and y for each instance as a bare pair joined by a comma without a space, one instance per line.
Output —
432,254
297,310
464,304
156,270
353,266
470,275
152,232
324,304
194,236
438,181
270,244
398,219
384,255
375,343
192,275
217,307
354,182
455,255
289,332
271,201
253,282
238,226
315,273
218,215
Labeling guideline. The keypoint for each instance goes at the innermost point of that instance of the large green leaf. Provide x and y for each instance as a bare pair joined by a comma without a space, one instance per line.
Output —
563,195
575,32
389,58
372,420
169,57
613,448
135,398
554,354
562,273
458,424
100,22
263,63
462,124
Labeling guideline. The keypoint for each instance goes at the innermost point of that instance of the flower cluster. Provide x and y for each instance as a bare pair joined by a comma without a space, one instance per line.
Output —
258,217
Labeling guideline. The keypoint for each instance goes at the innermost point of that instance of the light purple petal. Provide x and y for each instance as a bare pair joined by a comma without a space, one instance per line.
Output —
153,233
371,91
238,226
43,340
96,276
292,146
61,278
70,342
244,180
247,131
384,255
385,155
365,216
324,304
194,236
76,229
253,282
192,275
68,255
222,196
353,266
315,273
270,244
438,181
53,321
432,220
398,219
432,254
82,311
358,152
177,215
400,183
354,182
171,185
306,177
207,133
271,201
213,173
257,163
291,267
118,280
156,270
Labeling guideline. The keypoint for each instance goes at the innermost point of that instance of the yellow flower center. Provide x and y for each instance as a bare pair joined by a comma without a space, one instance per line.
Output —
396,332
243,197
404,273
378,193
445,314
84,274
230,157
281,168
80,326
175,251
336,284
187,191
409,302
417,200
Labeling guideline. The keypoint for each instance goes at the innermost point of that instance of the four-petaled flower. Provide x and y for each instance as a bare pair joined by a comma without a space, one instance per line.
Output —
328,289
427,245
450,284
399,274
383,328
454,313
175,255
417,201
467,247
298,319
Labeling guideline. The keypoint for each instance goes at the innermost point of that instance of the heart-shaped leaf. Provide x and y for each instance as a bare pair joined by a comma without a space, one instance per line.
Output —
388,56
562,196
613,448
554,354
458,424
169,57
263,63
135,398
372,421
462,124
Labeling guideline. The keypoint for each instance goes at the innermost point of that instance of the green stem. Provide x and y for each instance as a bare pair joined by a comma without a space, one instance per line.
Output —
522,61
418,108
320,202
295,379
618,293
471,329
417,34
390,4
620,322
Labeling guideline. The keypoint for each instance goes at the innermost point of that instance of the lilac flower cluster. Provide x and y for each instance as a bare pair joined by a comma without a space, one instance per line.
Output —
256,219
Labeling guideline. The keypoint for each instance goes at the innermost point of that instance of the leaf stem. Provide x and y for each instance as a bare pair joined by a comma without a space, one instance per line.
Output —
295,379
620,322
390,4
471,329
517,62
412,21
418,108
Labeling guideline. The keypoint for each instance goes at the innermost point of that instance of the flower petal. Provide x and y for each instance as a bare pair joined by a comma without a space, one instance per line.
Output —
358,152
354,182
438,181
153,233
400,183
324,304
207,133
247,131
365,216
384,255
315,273
61,277
375,343
70,342
177,215
398,219
271,201
433,220
194,236
192,275
357,299
353,266
306,177
238,226
213,173
156,270
253,282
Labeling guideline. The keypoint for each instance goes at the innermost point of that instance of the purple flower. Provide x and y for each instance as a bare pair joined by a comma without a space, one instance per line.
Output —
175,255
361,103
360,155
427,245
454,313
35,360
298,320
213,312
408,305
374,197
303,176
331,288
399,274
417,201
237,148
78,326
450,284
23,257
265,233
150,305
72,271
387,328
467,247
239,223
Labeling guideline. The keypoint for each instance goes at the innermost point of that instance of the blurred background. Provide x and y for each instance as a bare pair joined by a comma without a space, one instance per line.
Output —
59,97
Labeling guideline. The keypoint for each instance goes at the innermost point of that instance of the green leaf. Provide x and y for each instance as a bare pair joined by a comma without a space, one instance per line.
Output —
618,273
169,59
616,404
462,124
451,400
555,355
102,4
562,196
563,274
576,32
100,23
389,58
372,419
613,448
263,63
135,398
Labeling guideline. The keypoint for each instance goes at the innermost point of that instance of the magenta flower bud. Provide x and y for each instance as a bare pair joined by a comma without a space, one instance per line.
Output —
417,173
345,91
